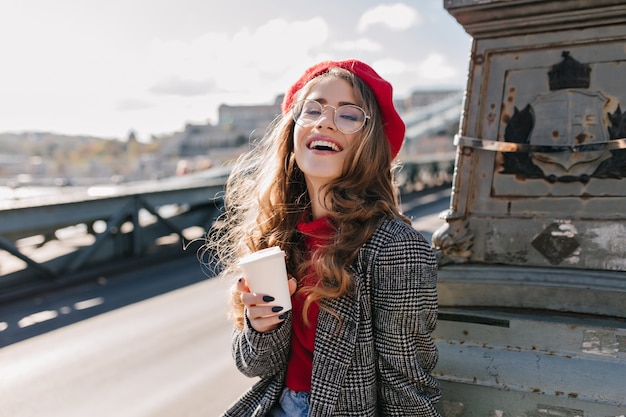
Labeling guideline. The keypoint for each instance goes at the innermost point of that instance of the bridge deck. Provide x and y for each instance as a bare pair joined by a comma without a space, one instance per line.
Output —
147,342
165,356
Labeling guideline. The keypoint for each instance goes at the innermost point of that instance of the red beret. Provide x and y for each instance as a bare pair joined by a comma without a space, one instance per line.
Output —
393,124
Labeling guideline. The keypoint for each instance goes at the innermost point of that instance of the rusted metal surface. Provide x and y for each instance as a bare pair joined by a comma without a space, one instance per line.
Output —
498,18
541,159
521,364
536,229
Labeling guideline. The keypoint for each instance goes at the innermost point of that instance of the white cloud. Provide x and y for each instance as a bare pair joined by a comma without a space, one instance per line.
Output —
436,68
185,80
362,44
396,17
132,104
241,62
154,78
432,72
389,67
175,85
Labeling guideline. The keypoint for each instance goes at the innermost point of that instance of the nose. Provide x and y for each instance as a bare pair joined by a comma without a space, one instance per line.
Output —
326,120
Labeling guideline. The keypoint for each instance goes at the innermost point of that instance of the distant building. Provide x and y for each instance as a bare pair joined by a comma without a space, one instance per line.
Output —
239,125
236,126
11,165
423,98
248,120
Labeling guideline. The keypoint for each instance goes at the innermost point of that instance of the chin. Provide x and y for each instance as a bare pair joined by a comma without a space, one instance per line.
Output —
320,177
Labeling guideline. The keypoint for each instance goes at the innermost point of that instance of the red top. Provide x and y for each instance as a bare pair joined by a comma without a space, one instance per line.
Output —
300,367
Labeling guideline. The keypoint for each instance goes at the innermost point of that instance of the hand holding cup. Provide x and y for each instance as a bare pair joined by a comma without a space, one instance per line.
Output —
266,289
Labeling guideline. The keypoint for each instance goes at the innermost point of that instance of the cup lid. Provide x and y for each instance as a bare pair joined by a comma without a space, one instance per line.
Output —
263,253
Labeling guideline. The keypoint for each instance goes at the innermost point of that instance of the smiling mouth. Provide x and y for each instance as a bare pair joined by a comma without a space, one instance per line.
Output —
323,145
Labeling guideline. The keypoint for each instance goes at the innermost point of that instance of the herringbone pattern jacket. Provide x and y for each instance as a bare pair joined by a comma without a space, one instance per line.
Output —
375,358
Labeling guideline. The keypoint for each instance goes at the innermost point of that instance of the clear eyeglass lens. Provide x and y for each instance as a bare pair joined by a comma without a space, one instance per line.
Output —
348,118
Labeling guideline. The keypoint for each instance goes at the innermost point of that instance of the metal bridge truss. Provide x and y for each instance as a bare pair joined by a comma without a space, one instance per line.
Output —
44,244
79,231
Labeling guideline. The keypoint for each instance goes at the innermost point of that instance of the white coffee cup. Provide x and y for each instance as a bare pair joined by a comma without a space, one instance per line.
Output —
266,273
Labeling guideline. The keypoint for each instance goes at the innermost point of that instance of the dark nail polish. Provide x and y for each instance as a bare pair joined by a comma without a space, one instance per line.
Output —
283,316
276,309
268,298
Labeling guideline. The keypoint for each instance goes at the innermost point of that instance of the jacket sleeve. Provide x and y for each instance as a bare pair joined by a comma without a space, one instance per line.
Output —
404,313
261,354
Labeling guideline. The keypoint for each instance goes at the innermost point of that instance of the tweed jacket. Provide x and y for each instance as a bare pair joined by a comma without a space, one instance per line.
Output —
375,358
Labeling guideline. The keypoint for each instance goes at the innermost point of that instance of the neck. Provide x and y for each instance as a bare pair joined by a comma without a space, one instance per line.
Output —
318,210
317,197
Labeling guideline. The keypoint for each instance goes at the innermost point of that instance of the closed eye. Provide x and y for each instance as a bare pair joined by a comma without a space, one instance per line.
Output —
311,112
350,117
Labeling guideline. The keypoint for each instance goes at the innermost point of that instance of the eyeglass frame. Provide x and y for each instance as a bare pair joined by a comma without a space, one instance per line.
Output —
324,106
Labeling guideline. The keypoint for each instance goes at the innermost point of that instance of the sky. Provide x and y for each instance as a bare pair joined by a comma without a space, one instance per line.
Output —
108,67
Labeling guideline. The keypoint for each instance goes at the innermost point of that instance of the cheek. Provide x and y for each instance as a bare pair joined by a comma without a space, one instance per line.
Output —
298,138
352,140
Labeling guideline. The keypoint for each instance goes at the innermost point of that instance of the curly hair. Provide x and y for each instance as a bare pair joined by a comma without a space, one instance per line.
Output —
266,196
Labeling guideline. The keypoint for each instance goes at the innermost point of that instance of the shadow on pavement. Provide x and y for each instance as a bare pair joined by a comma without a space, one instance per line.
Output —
99,291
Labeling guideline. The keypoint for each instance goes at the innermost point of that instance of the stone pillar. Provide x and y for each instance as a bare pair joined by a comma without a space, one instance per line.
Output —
537,216
532,281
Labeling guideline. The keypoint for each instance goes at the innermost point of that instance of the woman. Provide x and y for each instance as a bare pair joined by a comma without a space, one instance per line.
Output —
320,185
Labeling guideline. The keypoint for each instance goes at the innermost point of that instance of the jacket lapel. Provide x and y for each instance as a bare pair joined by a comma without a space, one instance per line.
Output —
335,343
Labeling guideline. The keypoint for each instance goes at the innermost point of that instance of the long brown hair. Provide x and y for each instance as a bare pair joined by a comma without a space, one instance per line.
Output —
266,196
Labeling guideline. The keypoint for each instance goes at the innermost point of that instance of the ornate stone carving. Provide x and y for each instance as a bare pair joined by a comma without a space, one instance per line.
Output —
566,131
453,242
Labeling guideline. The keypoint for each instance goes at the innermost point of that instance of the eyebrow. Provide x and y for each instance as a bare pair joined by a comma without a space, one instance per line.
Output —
322,100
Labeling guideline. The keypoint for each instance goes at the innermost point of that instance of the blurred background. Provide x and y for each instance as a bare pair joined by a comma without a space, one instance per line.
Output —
118,121
116,91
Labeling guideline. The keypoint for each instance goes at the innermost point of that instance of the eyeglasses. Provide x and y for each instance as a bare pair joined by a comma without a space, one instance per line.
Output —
348,118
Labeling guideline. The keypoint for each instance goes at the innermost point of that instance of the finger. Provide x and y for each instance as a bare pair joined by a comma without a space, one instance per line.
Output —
293,285
264,323
242,285
264,311
250,299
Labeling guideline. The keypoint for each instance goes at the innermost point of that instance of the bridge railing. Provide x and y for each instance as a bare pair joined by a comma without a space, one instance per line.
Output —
55,241
49,243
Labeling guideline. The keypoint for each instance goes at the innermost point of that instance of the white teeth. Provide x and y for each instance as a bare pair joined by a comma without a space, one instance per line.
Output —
324,144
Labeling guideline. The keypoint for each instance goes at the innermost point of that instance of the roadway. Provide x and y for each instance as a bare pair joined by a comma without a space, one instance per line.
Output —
147,342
